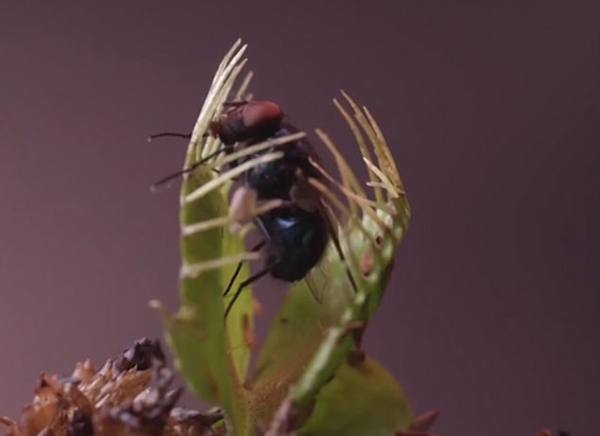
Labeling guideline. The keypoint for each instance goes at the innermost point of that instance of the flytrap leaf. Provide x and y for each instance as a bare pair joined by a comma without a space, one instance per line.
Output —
212,356
312,345
361,400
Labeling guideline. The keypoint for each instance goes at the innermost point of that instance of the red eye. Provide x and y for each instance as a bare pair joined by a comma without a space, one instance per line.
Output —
257,113
244,120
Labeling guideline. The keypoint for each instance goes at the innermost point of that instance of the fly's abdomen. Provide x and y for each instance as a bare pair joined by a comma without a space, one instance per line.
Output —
301,242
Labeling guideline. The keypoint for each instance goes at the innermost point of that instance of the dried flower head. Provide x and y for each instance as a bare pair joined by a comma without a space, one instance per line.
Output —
129,395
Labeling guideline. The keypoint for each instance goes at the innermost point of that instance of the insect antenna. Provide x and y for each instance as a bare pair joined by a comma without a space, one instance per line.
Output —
170,135
156,185
236,103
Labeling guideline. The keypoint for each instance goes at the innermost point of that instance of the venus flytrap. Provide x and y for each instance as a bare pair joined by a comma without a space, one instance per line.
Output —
312,361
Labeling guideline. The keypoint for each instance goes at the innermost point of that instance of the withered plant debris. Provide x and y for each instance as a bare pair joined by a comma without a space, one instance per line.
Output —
129,395
141,355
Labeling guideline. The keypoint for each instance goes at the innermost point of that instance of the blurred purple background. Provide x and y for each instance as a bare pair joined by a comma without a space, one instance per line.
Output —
493,314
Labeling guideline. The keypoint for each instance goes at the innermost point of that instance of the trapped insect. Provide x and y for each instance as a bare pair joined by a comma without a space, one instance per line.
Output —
295,234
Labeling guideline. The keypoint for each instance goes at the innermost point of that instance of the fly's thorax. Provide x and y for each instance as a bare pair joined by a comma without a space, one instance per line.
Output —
272,180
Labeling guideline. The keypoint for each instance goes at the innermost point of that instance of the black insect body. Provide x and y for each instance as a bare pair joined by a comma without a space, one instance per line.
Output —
280,179
295,234
296,240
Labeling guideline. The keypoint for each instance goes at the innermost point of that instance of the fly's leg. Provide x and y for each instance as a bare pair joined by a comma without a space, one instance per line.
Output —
245,283
257,247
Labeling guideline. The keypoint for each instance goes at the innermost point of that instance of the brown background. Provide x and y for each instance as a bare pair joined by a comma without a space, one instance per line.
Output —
492,112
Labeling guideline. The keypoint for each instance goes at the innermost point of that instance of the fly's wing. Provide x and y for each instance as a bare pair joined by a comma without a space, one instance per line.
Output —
332,267
338,253
316,279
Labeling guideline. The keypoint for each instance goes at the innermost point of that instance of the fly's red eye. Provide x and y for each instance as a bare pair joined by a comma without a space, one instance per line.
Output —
256,113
